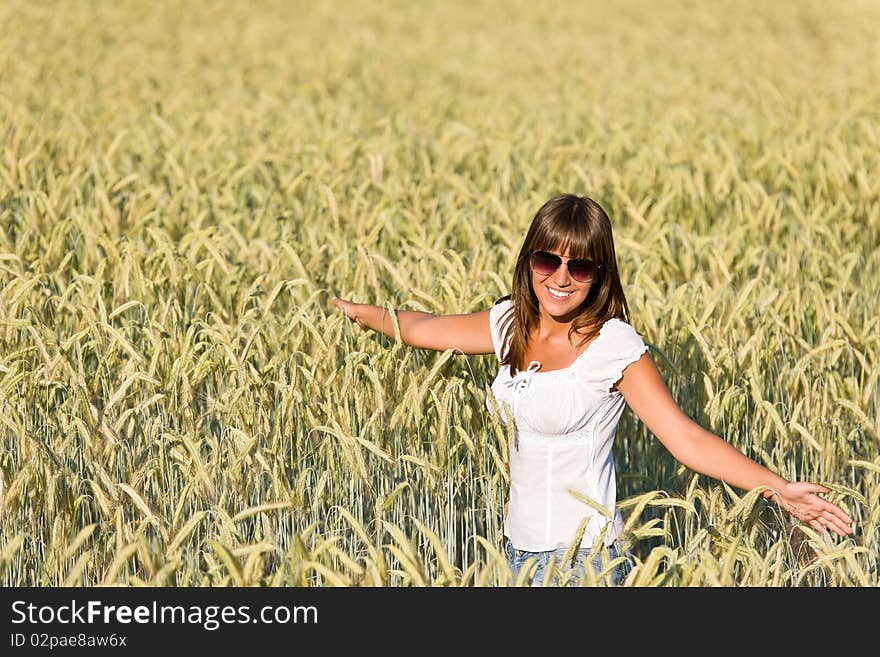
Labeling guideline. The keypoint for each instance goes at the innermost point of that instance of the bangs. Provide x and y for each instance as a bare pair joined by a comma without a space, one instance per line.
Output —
568,231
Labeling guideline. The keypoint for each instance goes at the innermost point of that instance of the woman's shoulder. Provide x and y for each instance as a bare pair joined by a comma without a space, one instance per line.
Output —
617,324
617,329
500,308
498,314
617,345
504,302
620,339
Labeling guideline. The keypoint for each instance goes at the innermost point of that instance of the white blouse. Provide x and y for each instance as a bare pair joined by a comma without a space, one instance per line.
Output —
564,426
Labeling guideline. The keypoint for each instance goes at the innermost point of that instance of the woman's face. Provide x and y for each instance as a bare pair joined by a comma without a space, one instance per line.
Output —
573,292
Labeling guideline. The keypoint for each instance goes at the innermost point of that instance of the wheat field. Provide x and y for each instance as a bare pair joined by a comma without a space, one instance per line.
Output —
183,186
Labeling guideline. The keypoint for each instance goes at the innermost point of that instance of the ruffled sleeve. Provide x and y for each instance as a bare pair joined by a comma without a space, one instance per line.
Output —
497,315
621,345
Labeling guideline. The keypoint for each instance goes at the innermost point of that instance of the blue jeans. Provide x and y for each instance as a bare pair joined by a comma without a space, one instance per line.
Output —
566,573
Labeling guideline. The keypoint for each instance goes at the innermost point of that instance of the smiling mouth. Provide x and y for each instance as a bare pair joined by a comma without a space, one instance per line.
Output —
558,294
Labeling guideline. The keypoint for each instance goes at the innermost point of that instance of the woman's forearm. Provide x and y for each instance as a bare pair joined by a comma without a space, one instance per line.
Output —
712,456
378,319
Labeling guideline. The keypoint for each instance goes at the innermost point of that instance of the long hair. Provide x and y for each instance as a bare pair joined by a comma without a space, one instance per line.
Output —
579,223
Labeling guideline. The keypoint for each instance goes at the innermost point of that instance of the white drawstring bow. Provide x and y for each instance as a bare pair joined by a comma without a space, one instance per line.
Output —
520,384
522,379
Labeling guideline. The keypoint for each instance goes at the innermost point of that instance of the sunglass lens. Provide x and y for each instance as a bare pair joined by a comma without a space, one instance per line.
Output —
545,264
582,270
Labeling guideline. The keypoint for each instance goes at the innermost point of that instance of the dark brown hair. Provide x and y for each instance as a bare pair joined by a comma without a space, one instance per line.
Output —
579,223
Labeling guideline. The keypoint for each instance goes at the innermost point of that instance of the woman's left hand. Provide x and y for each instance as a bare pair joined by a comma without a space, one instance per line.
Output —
800,499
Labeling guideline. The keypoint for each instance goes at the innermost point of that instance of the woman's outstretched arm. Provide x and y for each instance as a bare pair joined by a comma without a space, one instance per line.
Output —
704,452
469,333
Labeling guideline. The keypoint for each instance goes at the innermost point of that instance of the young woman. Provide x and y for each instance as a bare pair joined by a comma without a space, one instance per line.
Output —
569,359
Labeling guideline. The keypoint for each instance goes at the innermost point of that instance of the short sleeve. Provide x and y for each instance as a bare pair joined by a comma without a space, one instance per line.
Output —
497,316
621,345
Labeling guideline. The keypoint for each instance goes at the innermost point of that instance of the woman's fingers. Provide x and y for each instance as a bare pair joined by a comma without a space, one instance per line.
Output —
347,308
826,516
834,513
342,305
837,512
836,523
826,513
842,520
816,511
832,522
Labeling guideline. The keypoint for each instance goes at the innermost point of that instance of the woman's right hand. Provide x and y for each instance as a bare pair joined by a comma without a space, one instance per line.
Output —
350,309
801,499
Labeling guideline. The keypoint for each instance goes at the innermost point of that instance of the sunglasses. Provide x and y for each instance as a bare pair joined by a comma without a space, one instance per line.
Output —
580,269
